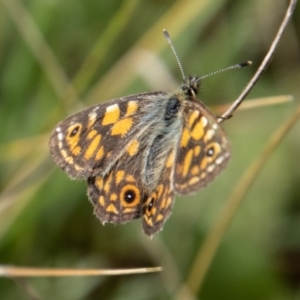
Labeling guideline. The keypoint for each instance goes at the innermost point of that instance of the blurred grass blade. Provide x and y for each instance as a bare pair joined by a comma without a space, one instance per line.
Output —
20,191
21,148
39,48
10,271
255,103
103,45
153,40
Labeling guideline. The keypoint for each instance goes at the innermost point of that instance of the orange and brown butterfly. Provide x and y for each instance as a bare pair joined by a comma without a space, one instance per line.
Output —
138,151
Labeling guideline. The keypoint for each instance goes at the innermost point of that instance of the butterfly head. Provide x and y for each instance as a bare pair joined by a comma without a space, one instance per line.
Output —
190,87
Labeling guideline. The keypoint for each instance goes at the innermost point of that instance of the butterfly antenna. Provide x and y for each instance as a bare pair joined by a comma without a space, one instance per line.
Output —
237,66
167,36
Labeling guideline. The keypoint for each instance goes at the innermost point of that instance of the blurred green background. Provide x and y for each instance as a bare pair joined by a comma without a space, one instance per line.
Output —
57,57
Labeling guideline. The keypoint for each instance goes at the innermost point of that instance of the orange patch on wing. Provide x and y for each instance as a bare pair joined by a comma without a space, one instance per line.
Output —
195,170
169,201
130,178
197,150
119,176
160,190
122,127
132,107
107,184
111,115
170,160
185,137
198,131
153,210
101,201
203,163
128,210
113,197
181,186
99,183
159,217
163,203
133,147
76,151
100,153
187,162
111,208
78,168
64,153
92,147
91,134
69,160
193,117
148,221
194,180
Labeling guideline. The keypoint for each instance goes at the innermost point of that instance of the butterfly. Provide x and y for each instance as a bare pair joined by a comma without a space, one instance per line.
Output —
138,151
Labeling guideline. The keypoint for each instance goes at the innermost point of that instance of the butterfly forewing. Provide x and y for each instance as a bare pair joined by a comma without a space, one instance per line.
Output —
88,143
203,150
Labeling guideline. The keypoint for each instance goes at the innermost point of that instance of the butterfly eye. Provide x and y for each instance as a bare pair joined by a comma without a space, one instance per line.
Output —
210,151
172,108
129,196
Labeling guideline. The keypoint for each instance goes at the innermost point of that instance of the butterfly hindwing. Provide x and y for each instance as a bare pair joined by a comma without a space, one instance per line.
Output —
117,197
159,204
203,150
122,195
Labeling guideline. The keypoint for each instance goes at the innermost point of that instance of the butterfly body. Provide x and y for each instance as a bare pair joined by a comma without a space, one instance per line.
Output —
138,151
